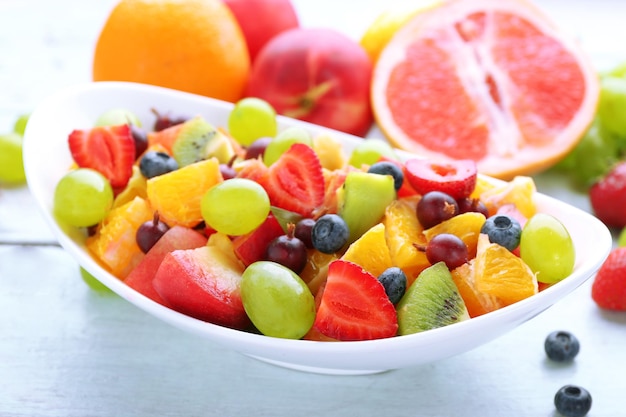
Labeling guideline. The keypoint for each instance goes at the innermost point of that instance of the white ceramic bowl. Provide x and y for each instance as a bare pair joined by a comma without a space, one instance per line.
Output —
47,158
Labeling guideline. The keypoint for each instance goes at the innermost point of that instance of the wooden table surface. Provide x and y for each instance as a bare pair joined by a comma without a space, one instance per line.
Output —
68,351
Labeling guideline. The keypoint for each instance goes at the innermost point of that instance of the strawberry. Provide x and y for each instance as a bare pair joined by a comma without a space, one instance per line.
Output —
295,182
107,149
354,305
608,197
609,287
456,178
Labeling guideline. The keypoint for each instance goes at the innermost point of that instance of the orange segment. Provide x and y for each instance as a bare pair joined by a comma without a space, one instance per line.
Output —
490,80
520,192
190,45
136,187
316,269
114,243
465,226
477,303
501,274
370,251
177,195
403,232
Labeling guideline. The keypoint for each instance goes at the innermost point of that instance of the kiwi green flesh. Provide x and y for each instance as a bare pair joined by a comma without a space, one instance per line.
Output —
191,144
432,301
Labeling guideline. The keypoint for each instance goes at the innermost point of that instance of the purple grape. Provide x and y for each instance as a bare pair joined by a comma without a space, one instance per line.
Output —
303,231
447,248
257,148
435,207
287,250
150,232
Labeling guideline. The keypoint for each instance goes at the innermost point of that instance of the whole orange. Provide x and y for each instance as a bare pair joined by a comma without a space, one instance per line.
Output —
190,45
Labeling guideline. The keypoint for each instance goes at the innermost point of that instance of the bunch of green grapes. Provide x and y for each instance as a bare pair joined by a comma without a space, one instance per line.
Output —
604,143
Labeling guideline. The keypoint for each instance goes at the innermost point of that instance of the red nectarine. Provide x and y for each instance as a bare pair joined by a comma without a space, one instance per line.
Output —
261,20
318,75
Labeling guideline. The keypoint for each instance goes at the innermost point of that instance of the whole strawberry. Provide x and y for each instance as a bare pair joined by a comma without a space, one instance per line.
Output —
609,287
608,197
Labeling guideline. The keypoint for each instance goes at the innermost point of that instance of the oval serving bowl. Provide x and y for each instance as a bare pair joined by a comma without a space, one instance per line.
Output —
47,159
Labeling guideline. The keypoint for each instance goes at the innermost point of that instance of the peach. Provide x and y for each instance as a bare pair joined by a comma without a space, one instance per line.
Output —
260,20
317,75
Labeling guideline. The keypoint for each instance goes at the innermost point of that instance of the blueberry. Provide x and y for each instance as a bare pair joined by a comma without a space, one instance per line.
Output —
155,163
561,346
572,401
394,280
388,168
329,234
503,230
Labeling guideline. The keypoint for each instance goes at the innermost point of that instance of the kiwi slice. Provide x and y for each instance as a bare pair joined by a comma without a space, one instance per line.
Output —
431,301
199,140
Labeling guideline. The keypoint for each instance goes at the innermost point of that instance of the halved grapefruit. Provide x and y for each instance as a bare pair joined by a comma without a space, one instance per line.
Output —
490,80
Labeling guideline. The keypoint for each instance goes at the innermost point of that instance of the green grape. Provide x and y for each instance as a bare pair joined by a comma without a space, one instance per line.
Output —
82,198
118,116
593,156
277,301
283,141
370,151
547,248
20,124
612,105
93,283
251,119
235,206
617,71
11,162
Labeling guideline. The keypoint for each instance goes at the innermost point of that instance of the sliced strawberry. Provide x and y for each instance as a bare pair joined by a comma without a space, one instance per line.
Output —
457,178
295,182
354,305
107,149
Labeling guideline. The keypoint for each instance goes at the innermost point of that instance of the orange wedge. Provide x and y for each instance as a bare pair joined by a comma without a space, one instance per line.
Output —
501,274
403,232
177,195
370,251
490,80
477,303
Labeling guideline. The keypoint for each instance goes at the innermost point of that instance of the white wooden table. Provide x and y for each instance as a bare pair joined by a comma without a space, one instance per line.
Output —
67,351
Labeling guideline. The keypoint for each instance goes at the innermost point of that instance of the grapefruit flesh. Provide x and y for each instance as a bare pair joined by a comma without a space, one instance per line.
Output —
490,80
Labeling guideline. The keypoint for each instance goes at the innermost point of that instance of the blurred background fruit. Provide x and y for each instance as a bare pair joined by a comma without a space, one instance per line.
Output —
387,24
481,79
190,45
318,75
260,21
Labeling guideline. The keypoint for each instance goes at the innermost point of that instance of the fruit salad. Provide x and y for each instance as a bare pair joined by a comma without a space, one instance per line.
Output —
289,235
